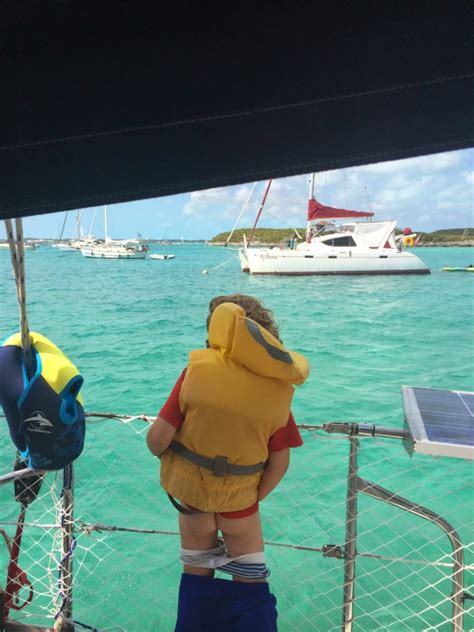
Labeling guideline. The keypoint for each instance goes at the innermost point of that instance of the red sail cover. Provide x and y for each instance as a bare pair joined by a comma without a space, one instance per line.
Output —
319,211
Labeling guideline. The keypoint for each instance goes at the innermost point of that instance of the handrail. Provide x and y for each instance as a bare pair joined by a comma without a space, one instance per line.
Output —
13,476
457,596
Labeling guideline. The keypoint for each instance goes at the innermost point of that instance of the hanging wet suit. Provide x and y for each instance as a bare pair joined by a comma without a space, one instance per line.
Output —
46,421
44,410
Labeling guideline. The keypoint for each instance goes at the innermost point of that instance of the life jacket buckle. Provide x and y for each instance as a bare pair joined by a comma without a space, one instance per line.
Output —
219,467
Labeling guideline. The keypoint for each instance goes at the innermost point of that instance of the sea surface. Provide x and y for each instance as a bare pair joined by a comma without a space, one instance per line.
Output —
128,326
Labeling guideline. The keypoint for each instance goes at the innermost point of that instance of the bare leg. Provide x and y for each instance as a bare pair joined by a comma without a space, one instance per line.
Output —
198,532
241,536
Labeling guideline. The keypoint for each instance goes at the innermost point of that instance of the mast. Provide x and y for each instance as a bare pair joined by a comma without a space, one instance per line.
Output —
310,197
106,229
80,229
92,222
64,224
78,225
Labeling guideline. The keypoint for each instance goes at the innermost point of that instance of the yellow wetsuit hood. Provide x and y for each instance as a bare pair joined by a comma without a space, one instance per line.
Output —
235,396
53,365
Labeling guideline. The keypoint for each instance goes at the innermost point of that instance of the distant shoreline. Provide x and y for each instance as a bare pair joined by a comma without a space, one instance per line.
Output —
469,243
466,243
434,244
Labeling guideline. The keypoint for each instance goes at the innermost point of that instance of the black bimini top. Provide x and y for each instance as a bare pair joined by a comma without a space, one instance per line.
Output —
113,101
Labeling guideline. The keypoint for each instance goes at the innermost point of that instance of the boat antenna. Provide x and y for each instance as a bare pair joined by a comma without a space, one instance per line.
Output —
262,204
240,215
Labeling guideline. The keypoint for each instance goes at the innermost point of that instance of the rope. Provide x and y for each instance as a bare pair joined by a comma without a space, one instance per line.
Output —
17,254
288,225
124,418
89,529
240,215
149,419
16,577
231,258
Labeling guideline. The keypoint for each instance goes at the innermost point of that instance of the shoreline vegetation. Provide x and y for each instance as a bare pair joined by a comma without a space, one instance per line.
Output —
278,236
447,237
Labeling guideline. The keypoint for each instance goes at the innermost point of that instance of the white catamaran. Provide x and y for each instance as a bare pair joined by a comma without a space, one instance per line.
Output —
351,247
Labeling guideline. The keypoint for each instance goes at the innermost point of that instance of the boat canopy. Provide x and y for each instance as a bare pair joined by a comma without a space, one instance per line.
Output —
377,234
319,211
107,102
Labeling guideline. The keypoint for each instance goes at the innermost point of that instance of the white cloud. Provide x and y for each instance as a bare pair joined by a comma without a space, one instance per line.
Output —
469,176
428,192
241,193
435,162
200,200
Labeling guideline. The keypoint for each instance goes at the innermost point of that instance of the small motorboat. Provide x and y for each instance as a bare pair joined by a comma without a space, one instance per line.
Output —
155,256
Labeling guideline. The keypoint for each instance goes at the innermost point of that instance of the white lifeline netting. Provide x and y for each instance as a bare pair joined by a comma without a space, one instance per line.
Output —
128,580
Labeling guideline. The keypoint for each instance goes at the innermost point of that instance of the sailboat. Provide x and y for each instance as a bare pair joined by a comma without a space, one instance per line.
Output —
79,240
350,247
114,249
61,245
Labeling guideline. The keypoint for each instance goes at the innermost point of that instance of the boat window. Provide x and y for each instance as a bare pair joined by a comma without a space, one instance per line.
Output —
339,241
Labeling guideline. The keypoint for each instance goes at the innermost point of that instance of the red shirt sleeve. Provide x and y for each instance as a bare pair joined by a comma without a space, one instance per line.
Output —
170,412
286,437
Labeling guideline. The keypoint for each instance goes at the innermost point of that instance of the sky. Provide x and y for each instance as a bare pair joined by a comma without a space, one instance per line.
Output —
426,193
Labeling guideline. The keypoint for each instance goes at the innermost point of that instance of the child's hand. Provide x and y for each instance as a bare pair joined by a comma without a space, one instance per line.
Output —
274,471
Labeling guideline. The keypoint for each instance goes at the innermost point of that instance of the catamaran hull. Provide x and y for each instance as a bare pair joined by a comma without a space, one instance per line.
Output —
292,262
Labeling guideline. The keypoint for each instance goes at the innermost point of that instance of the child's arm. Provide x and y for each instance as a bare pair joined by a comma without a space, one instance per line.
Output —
160,436
274,471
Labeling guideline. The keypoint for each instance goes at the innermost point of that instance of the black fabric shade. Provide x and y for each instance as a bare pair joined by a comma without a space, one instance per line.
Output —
109,102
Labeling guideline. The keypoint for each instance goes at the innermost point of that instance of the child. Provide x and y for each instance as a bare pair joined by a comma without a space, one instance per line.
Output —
223,438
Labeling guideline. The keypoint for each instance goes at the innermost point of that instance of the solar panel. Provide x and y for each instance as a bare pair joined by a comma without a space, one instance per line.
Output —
439,422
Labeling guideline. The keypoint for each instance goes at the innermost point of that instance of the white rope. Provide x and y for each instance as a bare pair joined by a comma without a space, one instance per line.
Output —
241,213
279,219
221,264
17,254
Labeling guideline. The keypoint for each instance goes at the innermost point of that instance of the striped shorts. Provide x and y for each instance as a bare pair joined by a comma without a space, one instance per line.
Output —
248,566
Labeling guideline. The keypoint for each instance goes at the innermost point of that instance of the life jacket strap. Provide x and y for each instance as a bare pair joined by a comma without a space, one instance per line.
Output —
219,466
184,510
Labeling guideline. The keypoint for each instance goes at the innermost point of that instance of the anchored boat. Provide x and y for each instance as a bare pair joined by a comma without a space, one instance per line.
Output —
114,249
353,247
131,249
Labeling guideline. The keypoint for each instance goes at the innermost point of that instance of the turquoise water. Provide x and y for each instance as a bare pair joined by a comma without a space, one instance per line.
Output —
128,326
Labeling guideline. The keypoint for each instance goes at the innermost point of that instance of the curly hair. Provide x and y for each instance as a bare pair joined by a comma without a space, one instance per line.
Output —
253,309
